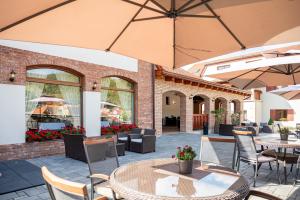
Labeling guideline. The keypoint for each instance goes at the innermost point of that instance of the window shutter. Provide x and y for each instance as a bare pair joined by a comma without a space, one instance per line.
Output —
290,115
273,114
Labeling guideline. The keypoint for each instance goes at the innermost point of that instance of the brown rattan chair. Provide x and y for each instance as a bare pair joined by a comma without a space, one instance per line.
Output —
102,159
261,195
247,153
63,189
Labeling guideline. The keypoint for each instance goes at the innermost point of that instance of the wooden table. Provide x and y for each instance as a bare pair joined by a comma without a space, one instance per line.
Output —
159,180
274,141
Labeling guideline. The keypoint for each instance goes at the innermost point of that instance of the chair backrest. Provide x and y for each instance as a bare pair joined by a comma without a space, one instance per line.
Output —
212,150
246,145
298,126
149,131
63,189
136,131
101,155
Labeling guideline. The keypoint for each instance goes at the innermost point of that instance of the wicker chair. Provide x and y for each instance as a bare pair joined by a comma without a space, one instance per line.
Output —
102,159
149,131
212,148
142,144
247,153
261,195
63,189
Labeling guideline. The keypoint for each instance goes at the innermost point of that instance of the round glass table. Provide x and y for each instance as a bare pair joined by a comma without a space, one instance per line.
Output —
159,179
274,141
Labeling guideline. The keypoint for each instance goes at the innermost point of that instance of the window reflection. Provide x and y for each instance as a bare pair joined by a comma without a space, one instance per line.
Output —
117,102
52,105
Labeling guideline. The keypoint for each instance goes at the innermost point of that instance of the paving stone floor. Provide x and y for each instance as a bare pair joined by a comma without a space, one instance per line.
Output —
166,146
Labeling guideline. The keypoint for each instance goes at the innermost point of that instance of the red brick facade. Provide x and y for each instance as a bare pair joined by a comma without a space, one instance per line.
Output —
20,60
31,150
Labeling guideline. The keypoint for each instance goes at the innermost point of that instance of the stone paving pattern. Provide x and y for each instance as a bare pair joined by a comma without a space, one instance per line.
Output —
166,146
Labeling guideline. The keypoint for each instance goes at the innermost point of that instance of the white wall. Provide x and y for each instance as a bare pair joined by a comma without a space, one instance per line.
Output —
86,55
91,113
174,107
12,114
272,101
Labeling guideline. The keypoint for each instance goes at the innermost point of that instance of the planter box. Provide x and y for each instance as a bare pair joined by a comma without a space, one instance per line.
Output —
74,147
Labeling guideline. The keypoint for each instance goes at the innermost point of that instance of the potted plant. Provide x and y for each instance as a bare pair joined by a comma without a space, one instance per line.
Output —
185,157
235,119
219,117
271,124
284,133
73,139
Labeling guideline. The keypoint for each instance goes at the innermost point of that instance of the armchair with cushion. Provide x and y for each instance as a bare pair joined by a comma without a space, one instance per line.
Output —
149,131
143,143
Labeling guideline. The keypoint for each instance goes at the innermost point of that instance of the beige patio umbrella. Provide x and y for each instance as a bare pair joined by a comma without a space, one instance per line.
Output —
268,72
291,92
170,33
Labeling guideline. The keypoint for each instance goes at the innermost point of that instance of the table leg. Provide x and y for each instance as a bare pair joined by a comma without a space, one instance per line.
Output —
284,166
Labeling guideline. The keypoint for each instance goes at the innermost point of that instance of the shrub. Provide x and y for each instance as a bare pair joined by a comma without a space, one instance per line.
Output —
271,121
42,135
111,130
73,130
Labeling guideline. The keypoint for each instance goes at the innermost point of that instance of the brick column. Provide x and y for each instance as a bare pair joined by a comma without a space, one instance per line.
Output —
211,118
228,112
158,110
186,112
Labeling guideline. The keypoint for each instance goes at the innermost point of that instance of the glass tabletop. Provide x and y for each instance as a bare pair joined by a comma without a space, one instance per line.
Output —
275,141
159,179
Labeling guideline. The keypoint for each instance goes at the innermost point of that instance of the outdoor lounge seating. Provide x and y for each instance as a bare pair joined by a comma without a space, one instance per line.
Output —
102,159
63,189
247,152
261,195
143,143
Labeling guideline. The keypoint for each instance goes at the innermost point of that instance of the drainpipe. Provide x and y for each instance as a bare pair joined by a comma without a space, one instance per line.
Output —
153,95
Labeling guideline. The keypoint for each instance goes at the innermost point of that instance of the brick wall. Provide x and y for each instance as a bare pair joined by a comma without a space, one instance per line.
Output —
186,103
20,60
31,150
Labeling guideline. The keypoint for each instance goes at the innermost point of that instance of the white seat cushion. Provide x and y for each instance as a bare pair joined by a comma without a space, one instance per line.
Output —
136,140
123,138
105,190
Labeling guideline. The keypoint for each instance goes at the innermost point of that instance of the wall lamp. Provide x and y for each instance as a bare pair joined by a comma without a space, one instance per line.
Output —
94,85
12,75
213,99
191,96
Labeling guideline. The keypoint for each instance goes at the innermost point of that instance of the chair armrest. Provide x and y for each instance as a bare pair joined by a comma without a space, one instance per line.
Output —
100,198
122,134
261,194
149,138
100,176
134,136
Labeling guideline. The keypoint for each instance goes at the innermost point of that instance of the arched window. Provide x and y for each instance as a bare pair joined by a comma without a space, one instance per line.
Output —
53,99
117,101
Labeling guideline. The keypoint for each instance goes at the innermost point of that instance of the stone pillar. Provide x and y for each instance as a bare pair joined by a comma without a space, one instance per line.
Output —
92,113
211,117
228,112
188,104
241,111
158,111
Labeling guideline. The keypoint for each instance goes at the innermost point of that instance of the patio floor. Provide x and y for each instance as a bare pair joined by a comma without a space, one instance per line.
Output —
166,146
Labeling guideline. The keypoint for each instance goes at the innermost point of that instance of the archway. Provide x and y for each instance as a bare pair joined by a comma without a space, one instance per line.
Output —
200,111
235,112
221,104
173,111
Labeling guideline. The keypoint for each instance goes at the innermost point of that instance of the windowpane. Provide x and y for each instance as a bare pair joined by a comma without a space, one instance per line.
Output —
116,83
52,74
51,105
117,107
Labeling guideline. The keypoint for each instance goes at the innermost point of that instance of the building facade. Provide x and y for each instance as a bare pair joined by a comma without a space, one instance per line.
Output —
54,89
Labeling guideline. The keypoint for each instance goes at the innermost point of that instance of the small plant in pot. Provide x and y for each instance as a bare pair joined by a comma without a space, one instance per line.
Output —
284,133
185,157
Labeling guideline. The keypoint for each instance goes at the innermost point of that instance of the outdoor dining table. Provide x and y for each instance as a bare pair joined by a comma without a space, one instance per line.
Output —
158,179
274,141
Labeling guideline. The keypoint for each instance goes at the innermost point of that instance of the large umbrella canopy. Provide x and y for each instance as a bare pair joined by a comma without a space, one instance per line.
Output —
291,92
169,33
267,72
48,99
